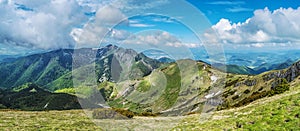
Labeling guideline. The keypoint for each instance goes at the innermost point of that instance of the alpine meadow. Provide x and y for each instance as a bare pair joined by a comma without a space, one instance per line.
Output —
149,65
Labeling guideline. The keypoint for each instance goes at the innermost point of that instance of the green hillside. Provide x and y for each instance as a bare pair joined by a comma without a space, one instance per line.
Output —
39,68
30,97
279,112
131,81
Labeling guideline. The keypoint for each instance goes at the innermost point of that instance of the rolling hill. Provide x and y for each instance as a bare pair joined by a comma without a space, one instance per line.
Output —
132,81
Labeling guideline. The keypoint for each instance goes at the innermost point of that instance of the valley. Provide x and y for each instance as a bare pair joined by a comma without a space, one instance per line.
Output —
117,85
179,65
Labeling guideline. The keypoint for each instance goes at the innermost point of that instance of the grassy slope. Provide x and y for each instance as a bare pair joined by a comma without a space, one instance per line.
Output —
31,97
39,68
169,90
242,89
279,112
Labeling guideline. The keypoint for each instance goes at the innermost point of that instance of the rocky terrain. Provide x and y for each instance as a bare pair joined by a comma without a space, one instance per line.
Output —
124,79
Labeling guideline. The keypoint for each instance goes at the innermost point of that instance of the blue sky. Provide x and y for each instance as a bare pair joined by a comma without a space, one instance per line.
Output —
238,10
29,26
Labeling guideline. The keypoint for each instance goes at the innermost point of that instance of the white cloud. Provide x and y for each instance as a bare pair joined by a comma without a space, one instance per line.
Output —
158,39
278,26
226,3
238,9
257,45
101,27
149,20
138,4
89,36
53,24
109,15
140,25
119,34
45,26
164,19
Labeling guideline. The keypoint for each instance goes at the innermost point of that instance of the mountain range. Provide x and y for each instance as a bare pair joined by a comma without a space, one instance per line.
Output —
130,80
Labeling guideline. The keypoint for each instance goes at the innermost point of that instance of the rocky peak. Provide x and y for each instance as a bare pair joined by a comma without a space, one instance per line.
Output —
289,74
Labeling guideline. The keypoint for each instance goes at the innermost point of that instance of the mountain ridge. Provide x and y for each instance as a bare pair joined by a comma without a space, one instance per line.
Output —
179,88
47,67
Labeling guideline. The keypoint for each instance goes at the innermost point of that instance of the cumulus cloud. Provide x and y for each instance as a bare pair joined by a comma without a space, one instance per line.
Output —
109,14
157,39
94,32
278,26
39,24
53,24
138,4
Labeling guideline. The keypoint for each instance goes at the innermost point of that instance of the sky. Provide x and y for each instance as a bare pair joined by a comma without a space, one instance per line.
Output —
30,26
238,10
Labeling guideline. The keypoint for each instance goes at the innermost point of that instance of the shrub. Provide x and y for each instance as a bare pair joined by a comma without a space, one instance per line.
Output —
124,112
235,97
247,91
282,87
105,113
144,86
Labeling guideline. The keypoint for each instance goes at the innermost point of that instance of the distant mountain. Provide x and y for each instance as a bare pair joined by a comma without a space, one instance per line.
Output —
48,69
127,79
52,70
38,68
7,58
239,69
277,66
166,60
235,69
249,62
255,59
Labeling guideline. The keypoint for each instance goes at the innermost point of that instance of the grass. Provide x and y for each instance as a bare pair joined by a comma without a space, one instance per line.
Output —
279,112
66,90
45,120
13,120
144,86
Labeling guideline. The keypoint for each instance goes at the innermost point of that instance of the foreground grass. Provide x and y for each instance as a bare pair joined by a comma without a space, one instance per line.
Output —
45,120
280,112
12,120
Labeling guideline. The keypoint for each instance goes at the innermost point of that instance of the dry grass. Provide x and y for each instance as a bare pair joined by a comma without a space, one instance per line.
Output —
12,120
279,112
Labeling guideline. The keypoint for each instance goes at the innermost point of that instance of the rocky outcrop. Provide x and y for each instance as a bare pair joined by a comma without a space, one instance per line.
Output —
248,82
289,74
